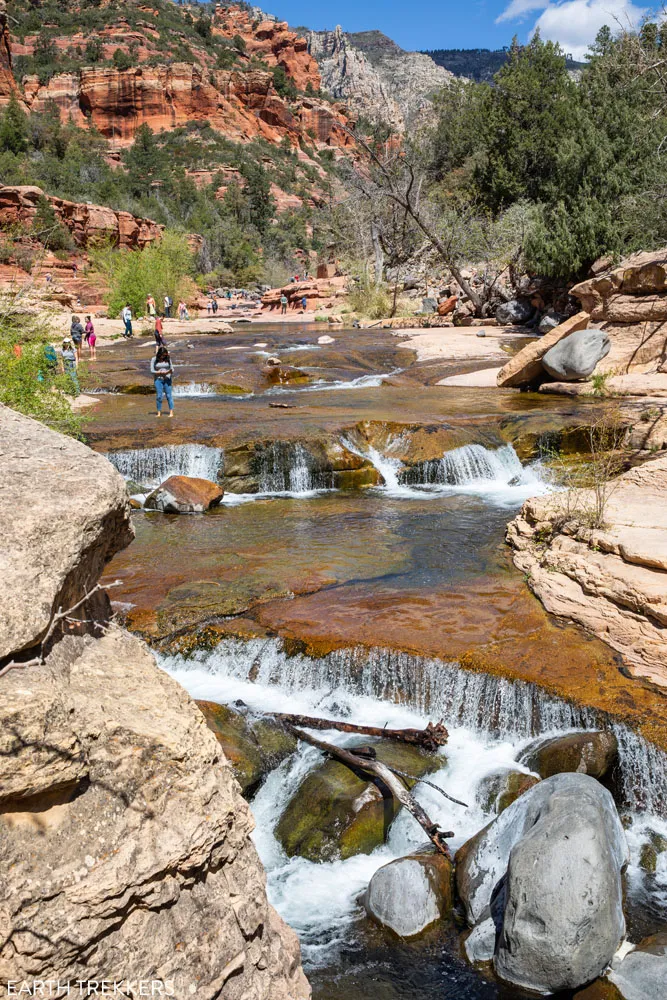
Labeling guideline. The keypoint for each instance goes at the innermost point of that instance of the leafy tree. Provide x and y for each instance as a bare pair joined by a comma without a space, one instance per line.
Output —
284,84
14,127
163,268
122,60
48,228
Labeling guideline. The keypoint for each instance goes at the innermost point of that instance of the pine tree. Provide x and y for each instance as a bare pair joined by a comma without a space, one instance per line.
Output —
14,128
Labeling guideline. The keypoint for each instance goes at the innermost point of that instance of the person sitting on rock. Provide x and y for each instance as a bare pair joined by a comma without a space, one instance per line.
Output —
162,372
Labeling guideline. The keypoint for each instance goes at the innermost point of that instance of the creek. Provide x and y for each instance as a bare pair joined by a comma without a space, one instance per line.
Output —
314,590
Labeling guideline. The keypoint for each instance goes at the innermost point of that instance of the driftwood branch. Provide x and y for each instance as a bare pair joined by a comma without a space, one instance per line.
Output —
379,772
430,738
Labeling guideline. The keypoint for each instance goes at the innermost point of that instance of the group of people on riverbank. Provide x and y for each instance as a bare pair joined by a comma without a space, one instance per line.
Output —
72,346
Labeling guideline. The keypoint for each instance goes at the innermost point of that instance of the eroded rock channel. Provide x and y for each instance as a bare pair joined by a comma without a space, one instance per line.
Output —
356,569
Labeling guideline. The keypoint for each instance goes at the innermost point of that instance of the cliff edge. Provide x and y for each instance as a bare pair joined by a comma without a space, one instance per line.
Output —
125,849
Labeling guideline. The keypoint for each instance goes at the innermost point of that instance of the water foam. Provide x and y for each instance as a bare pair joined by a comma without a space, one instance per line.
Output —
151,466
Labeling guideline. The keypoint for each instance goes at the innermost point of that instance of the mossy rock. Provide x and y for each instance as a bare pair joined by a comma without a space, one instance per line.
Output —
252,747
648,857
591,753
336,814
501,788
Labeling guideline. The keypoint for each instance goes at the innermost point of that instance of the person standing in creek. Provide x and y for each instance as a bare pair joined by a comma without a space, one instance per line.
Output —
159,338
162,372
76,333
90,337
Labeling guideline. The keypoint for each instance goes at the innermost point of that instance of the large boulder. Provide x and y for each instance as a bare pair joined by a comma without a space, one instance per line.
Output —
185,495
542,885
525,368
514,313
335,814
642,974
577,356
64,514
591,753
411,893
254,747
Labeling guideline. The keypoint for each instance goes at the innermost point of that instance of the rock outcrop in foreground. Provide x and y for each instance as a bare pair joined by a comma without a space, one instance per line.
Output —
125,848
610,580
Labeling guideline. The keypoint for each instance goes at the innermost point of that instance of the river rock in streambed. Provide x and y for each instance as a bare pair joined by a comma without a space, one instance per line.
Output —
253,747
335,814
184,495
591,753
412,893
642,974
542,885
501,788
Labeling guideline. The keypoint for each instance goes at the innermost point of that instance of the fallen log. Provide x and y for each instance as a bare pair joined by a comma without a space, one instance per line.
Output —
365,766
430,738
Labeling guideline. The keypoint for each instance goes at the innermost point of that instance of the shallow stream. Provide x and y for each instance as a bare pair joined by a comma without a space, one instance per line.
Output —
361,604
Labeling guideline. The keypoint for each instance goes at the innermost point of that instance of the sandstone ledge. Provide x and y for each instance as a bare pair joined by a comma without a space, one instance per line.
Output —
613,581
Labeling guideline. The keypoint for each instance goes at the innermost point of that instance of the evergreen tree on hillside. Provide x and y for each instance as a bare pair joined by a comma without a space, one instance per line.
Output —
14,128
143,161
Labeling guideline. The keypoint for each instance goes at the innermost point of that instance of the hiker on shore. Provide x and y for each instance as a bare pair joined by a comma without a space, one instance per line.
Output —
126,316
283,304
215,305
90,338
162,372
167,306
76,333
150,307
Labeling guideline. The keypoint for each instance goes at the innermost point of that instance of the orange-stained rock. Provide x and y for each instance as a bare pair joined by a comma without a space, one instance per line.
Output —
87,223
185,495
7,82
447,305
273,41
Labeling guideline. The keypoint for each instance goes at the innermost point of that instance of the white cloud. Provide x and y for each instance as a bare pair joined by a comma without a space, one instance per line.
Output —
517,9
575,23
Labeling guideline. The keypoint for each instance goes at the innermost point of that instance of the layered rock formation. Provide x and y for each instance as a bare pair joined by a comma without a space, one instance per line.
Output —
610,580
383,82
7,81
87,223
125,847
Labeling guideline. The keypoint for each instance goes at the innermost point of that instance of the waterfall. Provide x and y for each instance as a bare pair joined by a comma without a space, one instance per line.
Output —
468,465
151,466
288,467
483,703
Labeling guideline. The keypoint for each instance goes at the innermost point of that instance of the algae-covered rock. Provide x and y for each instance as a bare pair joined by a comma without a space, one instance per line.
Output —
648,857
501,788
591,753
253,747
336,814
410,894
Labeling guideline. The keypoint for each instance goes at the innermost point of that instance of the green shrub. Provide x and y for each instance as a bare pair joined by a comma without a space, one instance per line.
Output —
163,268
48,228
122,60
369,300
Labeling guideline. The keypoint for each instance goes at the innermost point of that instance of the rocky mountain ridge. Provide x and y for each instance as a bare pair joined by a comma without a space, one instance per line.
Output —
375,77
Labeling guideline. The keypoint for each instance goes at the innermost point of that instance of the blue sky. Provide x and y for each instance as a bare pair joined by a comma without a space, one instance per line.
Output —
450,24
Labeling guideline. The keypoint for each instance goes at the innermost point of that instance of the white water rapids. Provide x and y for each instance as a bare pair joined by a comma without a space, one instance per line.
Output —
490,720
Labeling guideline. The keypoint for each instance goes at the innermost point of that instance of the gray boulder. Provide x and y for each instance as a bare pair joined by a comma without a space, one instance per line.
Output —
642,975
514,313
575,357
549,321
429,305
410,894
543,880
591,752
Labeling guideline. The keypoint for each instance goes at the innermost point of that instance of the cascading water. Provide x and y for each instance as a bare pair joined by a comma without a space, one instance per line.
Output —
151,466
490,721
193,389
288,467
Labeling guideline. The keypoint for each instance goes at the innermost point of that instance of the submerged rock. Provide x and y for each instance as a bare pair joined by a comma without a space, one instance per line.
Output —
591,753
542,885
642,974
501,788
411,893
185,495
253,747
576,356
335,814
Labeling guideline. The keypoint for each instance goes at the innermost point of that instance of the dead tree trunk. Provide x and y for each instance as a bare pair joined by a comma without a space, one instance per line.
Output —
430,739
379,772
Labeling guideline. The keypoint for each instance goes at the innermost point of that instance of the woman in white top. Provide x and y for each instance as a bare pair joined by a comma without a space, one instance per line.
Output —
162,372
